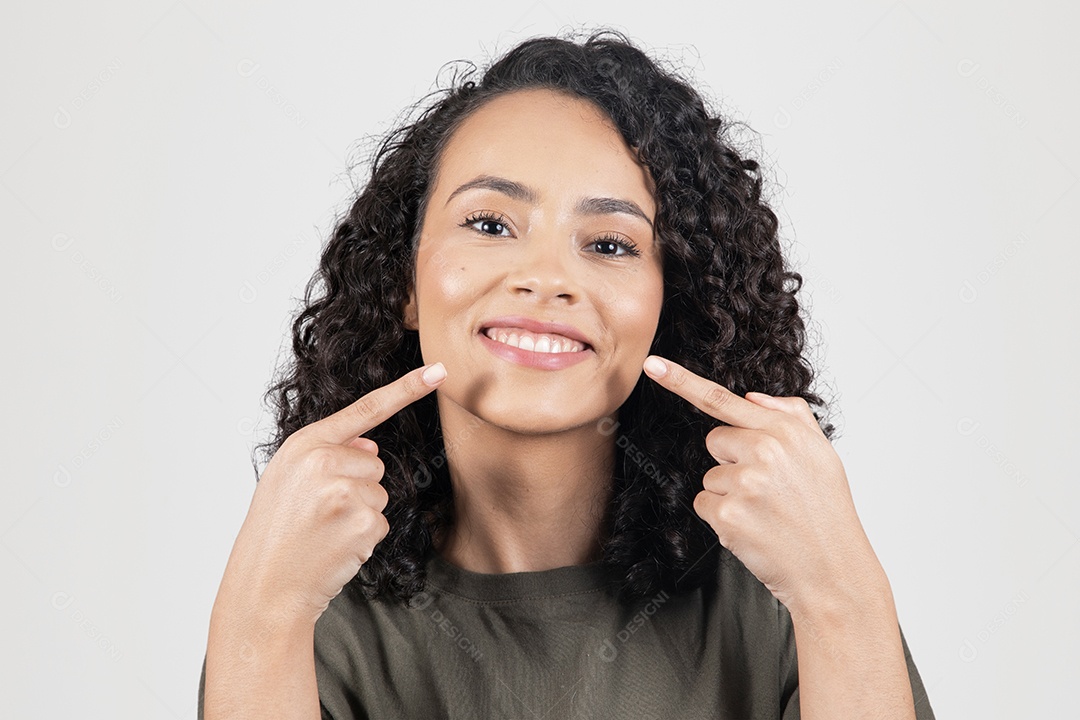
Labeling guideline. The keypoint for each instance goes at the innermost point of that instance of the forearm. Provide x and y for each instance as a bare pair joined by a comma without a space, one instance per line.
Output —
851,658
258,667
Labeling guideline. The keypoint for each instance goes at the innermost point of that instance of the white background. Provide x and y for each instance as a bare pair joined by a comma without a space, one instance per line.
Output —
168,172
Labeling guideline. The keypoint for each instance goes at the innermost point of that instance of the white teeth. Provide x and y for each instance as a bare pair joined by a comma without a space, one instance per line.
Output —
536,343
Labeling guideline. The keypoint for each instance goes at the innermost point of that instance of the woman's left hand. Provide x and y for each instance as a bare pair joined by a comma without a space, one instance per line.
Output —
779,498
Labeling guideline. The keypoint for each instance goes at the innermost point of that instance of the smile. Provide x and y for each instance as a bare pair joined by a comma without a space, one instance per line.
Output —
543,351
536,342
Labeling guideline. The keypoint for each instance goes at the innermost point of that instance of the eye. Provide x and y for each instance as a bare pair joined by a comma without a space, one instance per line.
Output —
615,242
487,221
494,221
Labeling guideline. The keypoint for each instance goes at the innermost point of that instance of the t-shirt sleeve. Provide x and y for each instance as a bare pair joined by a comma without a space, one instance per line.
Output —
202,689
923,711
789,675
789,666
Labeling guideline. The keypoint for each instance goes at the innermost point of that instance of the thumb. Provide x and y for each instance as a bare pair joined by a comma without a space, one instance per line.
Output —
760,398
794,406
363,443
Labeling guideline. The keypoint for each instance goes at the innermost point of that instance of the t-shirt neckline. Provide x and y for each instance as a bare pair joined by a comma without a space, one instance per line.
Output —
449,578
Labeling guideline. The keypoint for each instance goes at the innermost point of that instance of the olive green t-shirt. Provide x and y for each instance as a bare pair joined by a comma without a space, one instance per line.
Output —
553,644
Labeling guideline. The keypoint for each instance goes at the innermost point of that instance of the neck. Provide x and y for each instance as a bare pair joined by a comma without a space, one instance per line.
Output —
524,502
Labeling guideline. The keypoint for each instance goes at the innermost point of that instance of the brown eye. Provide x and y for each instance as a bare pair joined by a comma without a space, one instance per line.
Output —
612,244
489,224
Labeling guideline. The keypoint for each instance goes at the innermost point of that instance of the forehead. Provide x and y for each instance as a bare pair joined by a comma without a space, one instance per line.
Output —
549,139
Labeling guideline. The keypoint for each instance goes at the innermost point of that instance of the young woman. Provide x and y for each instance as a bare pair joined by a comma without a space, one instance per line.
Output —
526,465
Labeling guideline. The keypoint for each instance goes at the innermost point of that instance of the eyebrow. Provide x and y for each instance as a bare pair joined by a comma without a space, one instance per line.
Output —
585,206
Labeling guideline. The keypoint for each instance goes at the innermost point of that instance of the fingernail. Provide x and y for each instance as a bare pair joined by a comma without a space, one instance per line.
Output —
434,374
655,366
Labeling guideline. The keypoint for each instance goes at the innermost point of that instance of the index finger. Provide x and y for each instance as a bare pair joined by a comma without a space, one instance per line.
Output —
711,398
376,406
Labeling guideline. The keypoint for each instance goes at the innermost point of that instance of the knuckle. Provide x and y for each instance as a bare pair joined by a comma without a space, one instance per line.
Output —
321,460
715,438
378,468
366,409
373,523
791,433
701,505
372,535
768,448
380,498
414,385
338,497
749,484
716,397
728,514
292,446
714,477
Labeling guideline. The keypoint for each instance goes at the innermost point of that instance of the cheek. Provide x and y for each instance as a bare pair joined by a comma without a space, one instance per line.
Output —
443,284
638,312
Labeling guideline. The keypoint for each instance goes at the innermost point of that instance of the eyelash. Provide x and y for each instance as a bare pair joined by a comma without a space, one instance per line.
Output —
629,245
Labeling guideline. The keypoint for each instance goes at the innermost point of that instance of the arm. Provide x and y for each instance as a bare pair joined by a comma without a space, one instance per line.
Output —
779,500
257,667
851,659
314,520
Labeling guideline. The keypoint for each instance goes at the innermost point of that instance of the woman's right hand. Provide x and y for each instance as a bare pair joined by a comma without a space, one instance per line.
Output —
316,514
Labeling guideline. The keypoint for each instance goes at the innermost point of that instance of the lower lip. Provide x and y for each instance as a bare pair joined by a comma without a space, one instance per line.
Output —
539,360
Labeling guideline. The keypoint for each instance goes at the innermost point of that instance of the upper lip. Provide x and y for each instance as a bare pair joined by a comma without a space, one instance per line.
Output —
536,326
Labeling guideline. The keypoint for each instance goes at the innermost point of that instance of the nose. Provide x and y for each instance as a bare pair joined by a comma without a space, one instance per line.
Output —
545,269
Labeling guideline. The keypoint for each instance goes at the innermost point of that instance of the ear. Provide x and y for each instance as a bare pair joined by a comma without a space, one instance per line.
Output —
409,313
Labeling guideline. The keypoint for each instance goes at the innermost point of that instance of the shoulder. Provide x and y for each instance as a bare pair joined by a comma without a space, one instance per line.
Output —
733,611
350,621
350,644
738,591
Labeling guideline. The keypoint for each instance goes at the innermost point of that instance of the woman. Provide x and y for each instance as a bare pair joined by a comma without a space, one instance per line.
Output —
552,533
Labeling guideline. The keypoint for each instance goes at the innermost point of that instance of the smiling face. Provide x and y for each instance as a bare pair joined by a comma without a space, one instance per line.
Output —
539,211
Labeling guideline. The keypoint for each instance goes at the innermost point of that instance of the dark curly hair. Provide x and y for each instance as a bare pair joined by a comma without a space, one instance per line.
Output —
729,313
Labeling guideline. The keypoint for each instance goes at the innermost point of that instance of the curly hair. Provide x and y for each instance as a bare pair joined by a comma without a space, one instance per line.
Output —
730,313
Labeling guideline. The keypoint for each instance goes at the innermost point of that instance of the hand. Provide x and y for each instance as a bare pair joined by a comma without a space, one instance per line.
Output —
316,515
779,498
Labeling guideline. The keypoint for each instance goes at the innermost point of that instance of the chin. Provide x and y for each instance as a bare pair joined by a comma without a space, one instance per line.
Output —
528,419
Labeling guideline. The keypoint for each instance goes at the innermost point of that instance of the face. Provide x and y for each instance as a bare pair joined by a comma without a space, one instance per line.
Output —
539,214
